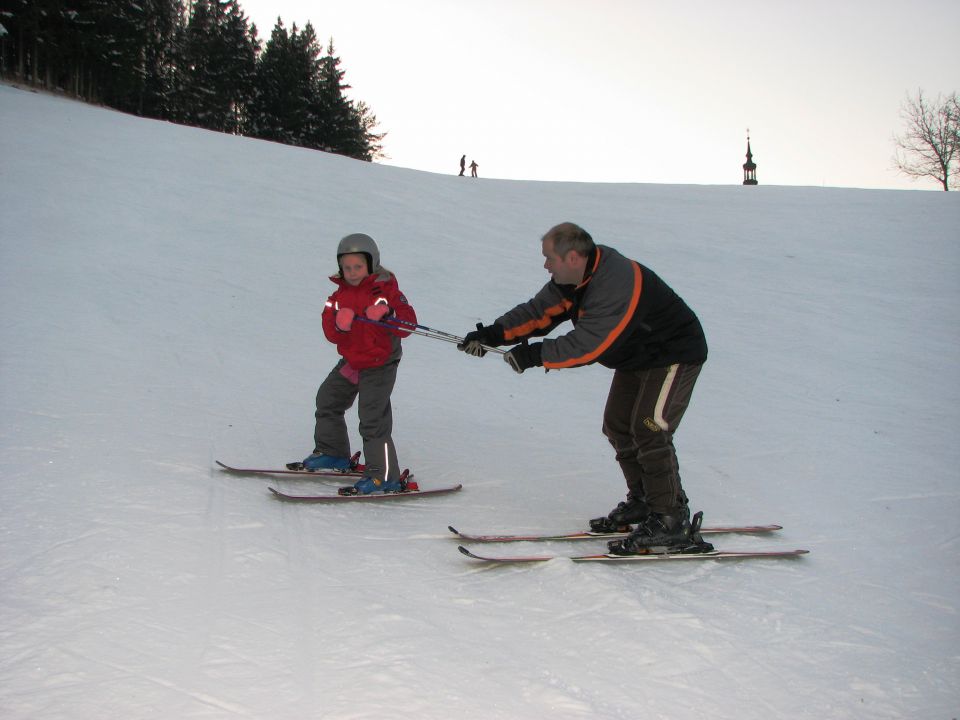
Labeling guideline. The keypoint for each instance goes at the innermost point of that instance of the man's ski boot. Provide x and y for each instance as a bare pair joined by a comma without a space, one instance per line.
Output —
671,532
620,519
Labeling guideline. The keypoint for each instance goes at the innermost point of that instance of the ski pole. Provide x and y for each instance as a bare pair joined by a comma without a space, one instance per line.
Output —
423,331
412,329
407,323
440,334
443,335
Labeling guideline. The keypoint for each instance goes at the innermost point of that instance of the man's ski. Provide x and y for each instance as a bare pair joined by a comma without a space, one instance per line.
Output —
372,497
650,557
589,535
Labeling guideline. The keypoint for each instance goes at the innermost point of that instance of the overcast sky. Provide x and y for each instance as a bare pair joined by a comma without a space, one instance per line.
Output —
638,90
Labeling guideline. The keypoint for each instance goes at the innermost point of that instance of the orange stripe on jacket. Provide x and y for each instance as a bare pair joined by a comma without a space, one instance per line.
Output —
614,334
537,323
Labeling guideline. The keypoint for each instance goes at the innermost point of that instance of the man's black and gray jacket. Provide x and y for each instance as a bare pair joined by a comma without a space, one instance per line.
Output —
624,317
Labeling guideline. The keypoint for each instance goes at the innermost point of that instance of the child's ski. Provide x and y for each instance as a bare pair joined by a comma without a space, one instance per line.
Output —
356,470
290,471
372,497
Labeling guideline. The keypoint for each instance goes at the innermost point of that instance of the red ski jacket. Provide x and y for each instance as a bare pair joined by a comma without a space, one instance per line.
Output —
366,345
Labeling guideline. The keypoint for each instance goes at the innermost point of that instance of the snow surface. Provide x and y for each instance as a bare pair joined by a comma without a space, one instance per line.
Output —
161,292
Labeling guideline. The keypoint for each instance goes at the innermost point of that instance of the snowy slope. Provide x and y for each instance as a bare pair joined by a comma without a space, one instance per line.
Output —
161,289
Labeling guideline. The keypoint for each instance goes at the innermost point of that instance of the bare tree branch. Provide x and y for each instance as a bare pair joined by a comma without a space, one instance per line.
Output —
930,145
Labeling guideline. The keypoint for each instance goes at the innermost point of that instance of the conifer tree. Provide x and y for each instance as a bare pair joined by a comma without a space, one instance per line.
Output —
115,38
370,145
163,23
346,127
286,81
337,129
217,63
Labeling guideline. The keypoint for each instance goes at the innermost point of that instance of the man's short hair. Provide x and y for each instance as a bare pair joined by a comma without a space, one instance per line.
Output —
570,236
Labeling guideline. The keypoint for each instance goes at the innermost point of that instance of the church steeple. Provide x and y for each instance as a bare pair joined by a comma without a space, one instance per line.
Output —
749,167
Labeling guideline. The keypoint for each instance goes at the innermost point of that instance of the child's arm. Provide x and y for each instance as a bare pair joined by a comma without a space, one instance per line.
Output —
403,311
329,320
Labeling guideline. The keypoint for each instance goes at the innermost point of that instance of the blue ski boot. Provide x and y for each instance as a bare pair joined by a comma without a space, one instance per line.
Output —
373,484
319,461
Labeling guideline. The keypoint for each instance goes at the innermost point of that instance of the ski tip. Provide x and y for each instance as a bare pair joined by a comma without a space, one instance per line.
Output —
452,529
466,552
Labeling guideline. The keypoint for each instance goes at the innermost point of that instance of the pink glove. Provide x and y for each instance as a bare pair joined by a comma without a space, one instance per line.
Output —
344,319
378,312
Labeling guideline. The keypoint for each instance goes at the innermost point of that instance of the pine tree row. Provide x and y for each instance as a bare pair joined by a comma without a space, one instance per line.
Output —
201,65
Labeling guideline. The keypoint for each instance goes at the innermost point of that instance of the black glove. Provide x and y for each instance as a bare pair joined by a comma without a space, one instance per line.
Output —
490,335
524,356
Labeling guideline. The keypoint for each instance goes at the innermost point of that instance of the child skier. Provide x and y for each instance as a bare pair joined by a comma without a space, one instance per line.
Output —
368,368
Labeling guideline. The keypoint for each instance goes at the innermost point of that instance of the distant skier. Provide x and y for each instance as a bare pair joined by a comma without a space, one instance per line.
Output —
473,168
625,318
463,165
371,355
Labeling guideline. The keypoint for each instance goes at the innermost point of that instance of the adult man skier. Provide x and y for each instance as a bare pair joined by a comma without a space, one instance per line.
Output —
628,319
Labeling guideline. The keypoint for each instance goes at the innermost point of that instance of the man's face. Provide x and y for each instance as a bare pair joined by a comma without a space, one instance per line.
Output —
354,267
564,270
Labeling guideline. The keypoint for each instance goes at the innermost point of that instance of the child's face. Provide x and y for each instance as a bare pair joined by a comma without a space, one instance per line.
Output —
354,267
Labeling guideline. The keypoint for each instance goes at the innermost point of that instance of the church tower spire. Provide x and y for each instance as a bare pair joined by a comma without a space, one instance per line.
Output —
749,167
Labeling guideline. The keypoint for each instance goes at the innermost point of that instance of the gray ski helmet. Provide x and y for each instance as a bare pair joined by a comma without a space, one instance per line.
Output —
360,243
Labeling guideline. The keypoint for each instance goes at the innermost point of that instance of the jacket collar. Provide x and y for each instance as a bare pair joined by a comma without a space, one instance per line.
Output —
593,262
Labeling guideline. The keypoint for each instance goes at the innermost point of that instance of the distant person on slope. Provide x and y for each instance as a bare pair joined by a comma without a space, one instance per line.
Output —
463,165
367,293
626,318
473,168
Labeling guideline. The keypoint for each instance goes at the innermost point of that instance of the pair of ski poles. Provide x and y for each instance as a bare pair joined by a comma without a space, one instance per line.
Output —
425,331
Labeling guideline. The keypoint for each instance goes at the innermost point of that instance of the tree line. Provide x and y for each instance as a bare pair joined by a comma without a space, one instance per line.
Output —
194,62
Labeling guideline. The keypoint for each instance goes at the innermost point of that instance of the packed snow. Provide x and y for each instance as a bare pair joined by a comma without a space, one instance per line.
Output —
161,293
